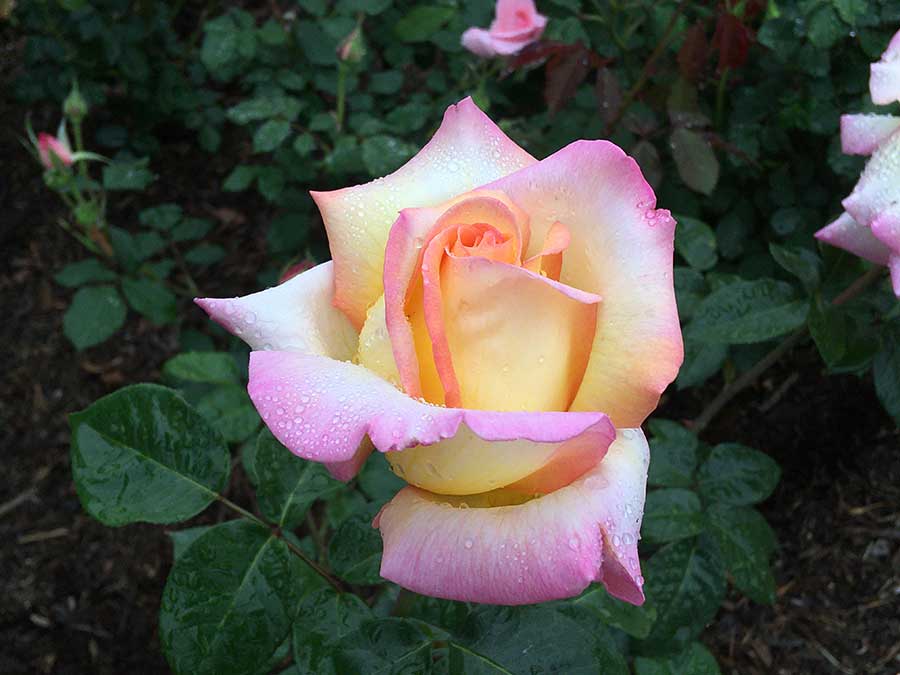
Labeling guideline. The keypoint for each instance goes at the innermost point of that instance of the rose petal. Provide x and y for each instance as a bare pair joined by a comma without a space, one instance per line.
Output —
886,226
622,249
514,339
408,238
517,20
849,235
862,134
294,316
544,549
884,81
878,189
322,409
463,465
375,352
479,42
549,259
467,151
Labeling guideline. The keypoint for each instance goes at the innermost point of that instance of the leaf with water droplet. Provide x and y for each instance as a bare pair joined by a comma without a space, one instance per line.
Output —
142,454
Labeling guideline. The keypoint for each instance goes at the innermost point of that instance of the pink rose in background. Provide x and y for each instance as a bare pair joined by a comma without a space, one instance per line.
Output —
870,225
516,24
499,327
58,146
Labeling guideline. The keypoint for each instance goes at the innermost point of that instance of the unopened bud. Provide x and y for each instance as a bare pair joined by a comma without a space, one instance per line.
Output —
75,107
353,48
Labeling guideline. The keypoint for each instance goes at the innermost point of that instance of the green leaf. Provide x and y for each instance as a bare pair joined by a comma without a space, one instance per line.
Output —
746,542
304,144
324,619
695,241
134,175
828,327
151,299
736,474
240,178
182,539
271,135
695,660
95,314
696,162
271,182
142,454
886,369
685,583
799,261
825,28
162,217
83,272
384,154
286,484
388,82
377,481
355,550
634,620
384,647
690,289
148,244
673,454
702,360
535,639
125,247
743,312
230,600
421,22
207,367
229,409
227,47
671,514
191,229
204,254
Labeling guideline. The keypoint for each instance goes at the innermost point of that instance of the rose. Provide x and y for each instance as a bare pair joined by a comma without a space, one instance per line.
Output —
49,146
485,321
870,225
516,24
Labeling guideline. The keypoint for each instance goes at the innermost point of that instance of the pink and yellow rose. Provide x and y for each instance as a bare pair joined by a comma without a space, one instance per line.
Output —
870,224
499,327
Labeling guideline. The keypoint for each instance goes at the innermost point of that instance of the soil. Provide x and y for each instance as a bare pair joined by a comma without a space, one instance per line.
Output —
79,597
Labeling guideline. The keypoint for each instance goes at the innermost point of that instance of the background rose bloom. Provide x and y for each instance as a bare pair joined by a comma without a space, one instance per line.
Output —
870,225
499,327
516,24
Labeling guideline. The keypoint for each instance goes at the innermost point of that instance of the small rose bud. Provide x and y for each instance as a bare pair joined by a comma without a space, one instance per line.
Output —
353,48
75,107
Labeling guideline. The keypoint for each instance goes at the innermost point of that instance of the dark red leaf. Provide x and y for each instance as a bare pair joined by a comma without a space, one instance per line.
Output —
609,94
693,53
732,41
566,70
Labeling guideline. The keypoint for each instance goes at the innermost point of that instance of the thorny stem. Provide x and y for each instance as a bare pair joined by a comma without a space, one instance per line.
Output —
645,71
798,336
276,532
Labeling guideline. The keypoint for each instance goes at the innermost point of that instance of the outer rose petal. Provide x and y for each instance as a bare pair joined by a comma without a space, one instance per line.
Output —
294,316
878,189
884,81
461,466
517,341
862,134
467,151
479,42
545,549
849,235
323,409
622,249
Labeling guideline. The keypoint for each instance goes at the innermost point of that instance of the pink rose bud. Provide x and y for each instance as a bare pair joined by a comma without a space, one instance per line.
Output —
515,25
353,47
51,144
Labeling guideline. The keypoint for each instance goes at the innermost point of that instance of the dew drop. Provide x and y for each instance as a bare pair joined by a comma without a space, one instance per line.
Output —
468,543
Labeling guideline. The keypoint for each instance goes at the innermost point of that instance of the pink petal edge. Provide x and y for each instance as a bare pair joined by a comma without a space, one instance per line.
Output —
549,548
322,409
